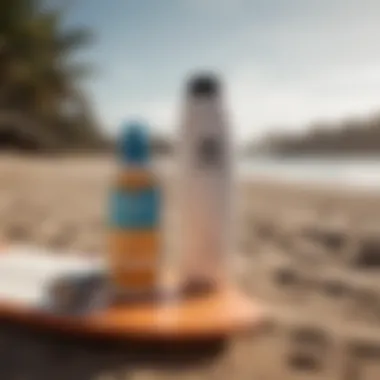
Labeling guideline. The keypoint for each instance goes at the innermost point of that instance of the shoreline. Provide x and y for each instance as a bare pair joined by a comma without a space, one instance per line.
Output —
166,167
323,189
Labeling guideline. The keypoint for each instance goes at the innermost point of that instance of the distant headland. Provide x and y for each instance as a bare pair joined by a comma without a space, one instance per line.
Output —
352,136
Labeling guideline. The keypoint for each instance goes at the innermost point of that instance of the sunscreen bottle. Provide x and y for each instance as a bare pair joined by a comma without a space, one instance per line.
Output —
134,241
205,180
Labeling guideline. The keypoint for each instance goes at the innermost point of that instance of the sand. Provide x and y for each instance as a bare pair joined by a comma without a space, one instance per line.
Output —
311,255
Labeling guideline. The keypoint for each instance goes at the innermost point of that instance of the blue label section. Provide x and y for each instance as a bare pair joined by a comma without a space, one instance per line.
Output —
135,209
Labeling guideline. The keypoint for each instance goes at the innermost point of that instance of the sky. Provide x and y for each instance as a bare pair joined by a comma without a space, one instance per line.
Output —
285,64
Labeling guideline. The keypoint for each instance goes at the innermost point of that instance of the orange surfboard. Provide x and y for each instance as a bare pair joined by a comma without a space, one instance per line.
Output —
25,271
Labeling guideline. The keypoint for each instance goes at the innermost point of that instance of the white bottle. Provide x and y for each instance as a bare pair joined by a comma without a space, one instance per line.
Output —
205,185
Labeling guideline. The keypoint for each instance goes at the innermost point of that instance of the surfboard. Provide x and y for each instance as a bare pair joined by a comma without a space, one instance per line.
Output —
26,272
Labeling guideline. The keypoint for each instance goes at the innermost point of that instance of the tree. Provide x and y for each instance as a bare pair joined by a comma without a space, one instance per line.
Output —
38,77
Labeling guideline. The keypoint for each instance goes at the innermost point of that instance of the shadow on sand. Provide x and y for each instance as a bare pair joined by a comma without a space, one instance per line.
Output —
29,354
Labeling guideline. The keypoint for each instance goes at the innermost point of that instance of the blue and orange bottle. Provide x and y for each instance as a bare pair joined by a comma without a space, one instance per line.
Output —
135,239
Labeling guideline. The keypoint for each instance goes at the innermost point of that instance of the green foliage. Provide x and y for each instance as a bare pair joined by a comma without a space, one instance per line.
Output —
37,74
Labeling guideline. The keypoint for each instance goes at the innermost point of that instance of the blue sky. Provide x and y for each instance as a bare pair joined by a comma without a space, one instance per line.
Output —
285,63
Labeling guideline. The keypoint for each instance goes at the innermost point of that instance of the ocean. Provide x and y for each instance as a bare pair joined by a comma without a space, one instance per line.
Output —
360,173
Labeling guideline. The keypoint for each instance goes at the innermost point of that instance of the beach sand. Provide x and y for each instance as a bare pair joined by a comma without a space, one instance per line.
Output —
311,255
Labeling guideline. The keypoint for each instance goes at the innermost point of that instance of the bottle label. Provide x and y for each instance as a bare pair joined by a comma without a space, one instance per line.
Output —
135,208
209,153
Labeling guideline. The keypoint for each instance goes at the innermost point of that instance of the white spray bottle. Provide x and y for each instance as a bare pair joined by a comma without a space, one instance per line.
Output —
206,185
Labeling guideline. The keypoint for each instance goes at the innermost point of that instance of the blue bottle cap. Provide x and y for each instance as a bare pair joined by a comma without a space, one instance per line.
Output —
134,145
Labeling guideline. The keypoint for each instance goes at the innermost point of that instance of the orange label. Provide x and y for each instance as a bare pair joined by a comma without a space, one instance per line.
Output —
133,257
134,180
135,280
